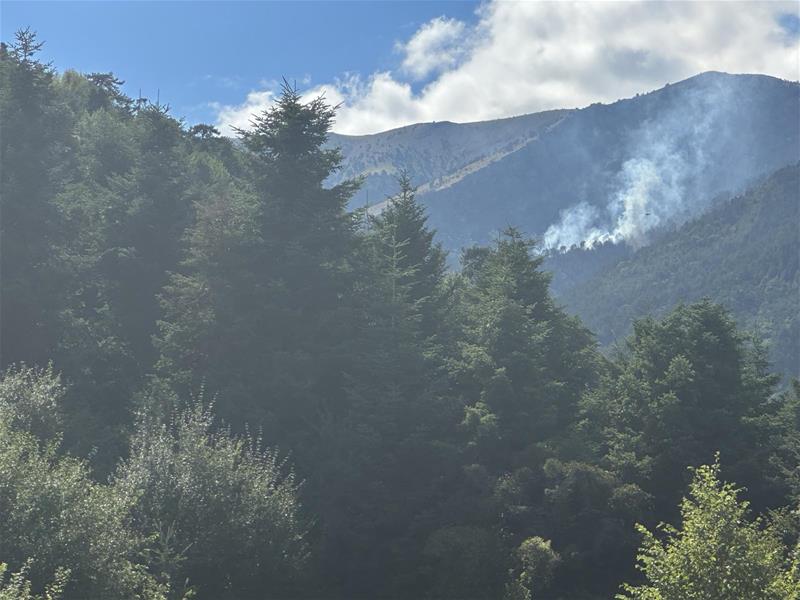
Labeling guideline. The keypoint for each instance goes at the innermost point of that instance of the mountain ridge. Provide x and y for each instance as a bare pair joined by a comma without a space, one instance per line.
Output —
522,171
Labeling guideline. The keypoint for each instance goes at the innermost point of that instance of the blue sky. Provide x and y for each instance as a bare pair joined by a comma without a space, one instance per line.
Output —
196,53
395,63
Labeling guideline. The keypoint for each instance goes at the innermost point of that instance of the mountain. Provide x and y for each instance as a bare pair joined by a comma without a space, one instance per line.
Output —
743,253
680,147
435,155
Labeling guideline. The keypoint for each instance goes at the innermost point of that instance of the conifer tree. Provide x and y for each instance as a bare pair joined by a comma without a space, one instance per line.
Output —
272,341
686,386
32,150
422,259
381,453
524,359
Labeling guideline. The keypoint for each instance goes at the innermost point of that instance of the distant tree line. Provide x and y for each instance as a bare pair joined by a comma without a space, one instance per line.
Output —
219,383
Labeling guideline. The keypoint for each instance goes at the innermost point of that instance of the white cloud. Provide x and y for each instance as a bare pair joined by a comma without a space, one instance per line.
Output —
230,118
436,46
522,57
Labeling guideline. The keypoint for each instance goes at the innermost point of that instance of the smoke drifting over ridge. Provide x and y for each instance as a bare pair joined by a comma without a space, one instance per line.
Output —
661,179
594,173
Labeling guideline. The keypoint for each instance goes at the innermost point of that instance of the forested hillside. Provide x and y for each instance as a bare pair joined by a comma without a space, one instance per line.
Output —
682,145
744,254
220,383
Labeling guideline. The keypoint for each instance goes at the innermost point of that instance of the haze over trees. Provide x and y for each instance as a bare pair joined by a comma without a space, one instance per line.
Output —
218,382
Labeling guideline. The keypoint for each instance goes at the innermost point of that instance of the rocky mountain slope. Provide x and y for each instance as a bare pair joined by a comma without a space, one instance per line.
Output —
436,155
621,170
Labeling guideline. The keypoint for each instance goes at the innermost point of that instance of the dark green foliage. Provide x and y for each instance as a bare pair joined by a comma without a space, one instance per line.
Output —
685,387
267,272
382,451
127,209
97,191
518,367
420,260
522,357
467,562
33,151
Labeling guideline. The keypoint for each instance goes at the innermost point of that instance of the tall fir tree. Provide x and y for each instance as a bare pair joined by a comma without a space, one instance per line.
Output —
384,462
272,340
422,259
33,150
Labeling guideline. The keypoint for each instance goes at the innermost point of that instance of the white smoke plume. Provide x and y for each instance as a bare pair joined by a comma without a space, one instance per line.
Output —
657,182
576,226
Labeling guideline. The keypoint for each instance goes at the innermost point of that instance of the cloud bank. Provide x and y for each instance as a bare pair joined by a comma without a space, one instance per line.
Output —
522,57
